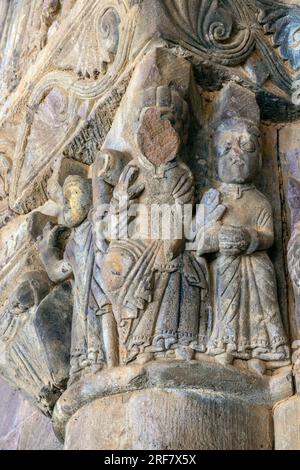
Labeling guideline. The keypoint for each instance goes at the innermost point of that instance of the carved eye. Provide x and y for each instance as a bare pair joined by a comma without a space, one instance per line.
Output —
248,146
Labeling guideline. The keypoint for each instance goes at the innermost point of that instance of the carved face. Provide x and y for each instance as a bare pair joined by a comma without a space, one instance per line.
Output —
77,200
238,152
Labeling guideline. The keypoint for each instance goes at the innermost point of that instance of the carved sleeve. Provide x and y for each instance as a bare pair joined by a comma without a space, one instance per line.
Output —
262,237
57,269
57,266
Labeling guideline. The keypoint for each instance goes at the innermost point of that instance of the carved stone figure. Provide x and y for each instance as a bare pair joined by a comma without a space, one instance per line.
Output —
77,261
35,330
157,290
93,342
107,169
247,321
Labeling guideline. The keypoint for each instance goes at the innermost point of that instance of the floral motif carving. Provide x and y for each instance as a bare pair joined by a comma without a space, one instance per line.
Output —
226,33
98,44
217,28
283,23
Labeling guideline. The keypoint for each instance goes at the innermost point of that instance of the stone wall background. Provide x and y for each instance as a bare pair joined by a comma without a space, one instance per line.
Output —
23,427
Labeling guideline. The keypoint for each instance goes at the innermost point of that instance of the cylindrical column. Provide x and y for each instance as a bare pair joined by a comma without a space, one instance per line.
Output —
170,419
202,406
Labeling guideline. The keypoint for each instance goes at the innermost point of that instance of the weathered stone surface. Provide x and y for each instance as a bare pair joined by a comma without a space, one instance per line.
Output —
170,420
22,427
25,289
287,424
257,391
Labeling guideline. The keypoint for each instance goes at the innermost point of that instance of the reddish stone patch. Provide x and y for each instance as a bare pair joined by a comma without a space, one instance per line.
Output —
157,139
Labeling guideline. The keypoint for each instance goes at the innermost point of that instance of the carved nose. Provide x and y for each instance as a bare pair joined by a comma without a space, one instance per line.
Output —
236,159
237,151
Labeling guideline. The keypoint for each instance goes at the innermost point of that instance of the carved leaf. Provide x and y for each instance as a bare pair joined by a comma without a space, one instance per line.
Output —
96,46
55,118
284,25
220,29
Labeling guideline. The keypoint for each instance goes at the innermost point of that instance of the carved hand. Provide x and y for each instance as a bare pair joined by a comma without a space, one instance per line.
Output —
50,254
209,215
125,190
213,208
170,250
234,240
48,241
183,191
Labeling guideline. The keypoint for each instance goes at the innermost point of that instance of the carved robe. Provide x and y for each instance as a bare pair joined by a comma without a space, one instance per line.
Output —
159,304
86,330
247,320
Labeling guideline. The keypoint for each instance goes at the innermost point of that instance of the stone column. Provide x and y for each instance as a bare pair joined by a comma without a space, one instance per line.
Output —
176,406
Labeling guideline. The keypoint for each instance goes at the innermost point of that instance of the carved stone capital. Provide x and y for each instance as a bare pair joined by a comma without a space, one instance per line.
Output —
149,184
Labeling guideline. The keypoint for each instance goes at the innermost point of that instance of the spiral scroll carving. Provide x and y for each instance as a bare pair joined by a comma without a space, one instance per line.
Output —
223,34
109,31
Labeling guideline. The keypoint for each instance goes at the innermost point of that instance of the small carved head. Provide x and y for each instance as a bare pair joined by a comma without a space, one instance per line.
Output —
238,151
77,200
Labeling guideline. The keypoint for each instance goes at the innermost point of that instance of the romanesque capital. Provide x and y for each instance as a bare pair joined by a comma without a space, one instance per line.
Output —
149,220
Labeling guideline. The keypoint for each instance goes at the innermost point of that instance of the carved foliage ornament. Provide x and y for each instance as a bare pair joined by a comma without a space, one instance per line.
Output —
97,44
224,31
60,97
284,25
219,30
227,32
